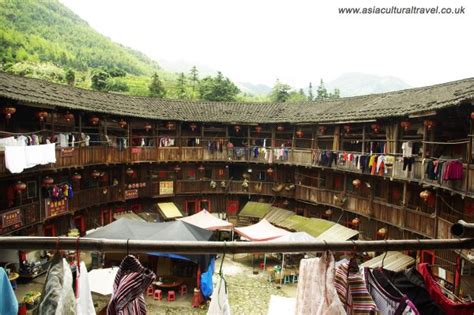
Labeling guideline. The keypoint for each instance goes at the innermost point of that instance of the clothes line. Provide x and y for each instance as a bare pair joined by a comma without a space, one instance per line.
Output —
195,247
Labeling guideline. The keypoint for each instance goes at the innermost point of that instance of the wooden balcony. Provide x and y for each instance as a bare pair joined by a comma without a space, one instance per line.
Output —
19,217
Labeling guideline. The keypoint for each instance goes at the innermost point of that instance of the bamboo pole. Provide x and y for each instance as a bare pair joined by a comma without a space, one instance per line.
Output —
462,229
196,247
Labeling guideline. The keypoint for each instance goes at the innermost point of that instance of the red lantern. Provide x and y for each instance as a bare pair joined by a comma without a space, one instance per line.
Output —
472,115
382,233
237,128
20,186
429,124
177,168
322,130
129,171
48,181
356,183
193,127
9,111
94,120
42,115
347,128
375,127
258,129
328,213
299,133
286,202
170,125
95,174
355,222
201,168
425,195
68,117
148,127
405,125
122,123
270,171
280,128
76,177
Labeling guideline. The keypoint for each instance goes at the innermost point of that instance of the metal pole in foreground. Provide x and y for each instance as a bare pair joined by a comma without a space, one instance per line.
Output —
140,246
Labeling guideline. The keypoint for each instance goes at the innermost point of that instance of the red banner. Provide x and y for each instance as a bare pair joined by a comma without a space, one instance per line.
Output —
131,194
11,218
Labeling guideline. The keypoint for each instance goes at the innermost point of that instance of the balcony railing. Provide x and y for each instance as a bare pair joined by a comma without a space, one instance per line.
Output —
18,217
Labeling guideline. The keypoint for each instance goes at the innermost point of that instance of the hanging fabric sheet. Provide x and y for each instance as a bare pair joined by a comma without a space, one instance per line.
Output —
316,292
8,302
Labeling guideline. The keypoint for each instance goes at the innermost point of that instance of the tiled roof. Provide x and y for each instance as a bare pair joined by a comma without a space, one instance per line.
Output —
374,106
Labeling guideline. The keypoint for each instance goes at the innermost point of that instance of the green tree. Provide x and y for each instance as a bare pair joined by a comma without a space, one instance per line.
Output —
296,97
310,92
218,88
70,77
280,92
181,86
156,88
322,91
194,78
335,94
116,86
99,80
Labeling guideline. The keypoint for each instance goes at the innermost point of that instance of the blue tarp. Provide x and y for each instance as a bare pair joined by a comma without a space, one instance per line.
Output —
206,279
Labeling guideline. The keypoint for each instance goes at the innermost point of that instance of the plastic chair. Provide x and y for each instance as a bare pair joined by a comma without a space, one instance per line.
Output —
157,295
150,291
183,289
287,279
171,296
294,278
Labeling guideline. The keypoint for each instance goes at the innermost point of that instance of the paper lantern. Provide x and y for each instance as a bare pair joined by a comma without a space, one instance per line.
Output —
382,233
356,183
258,129
237,128
95,174
328,213
47,181
177,168
270,171
122,123
94,120
76,177
42,115
429,124
9,111
355,222
129,171
472,115
425,194
280,128
170,125
322,129
405,125
68,117
193,126
148,127
20,186
375,127
347,128
299,133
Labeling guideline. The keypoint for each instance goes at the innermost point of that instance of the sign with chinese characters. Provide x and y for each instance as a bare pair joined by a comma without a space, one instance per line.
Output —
136,150
67,152
166,187
54,208
11,218
131,194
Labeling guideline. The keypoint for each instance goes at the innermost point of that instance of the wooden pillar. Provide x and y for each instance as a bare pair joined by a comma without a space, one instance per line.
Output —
404,204
469,156
363,139
314,138
436,209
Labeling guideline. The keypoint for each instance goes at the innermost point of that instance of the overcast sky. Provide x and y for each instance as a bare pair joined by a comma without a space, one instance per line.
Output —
297,41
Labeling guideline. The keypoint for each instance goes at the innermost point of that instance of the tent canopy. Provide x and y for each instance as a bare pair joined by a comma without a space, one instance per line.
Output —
262,231
169,210
294,237
207,221
128,215
123,229
337,233
394,261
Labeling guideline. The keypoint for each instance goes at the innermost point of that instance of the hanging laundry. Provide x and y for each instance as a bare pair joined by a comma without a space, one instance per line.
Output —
84,303
407,149
411,283
219,301
437,295
453,170
57,296
316,293
8,302
130,283
387,302
353,292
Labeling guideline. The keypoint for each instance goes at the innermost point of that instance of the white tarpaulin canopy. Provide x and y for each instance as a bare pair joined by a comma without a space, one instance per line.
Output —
262,231
394,261
102,280
294,237
207,221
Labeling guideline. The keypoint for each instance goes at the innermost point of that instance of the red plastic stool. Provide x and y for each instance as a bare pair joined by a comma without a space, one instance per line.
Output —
150,291
183,289
262,265
157,295
171,296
